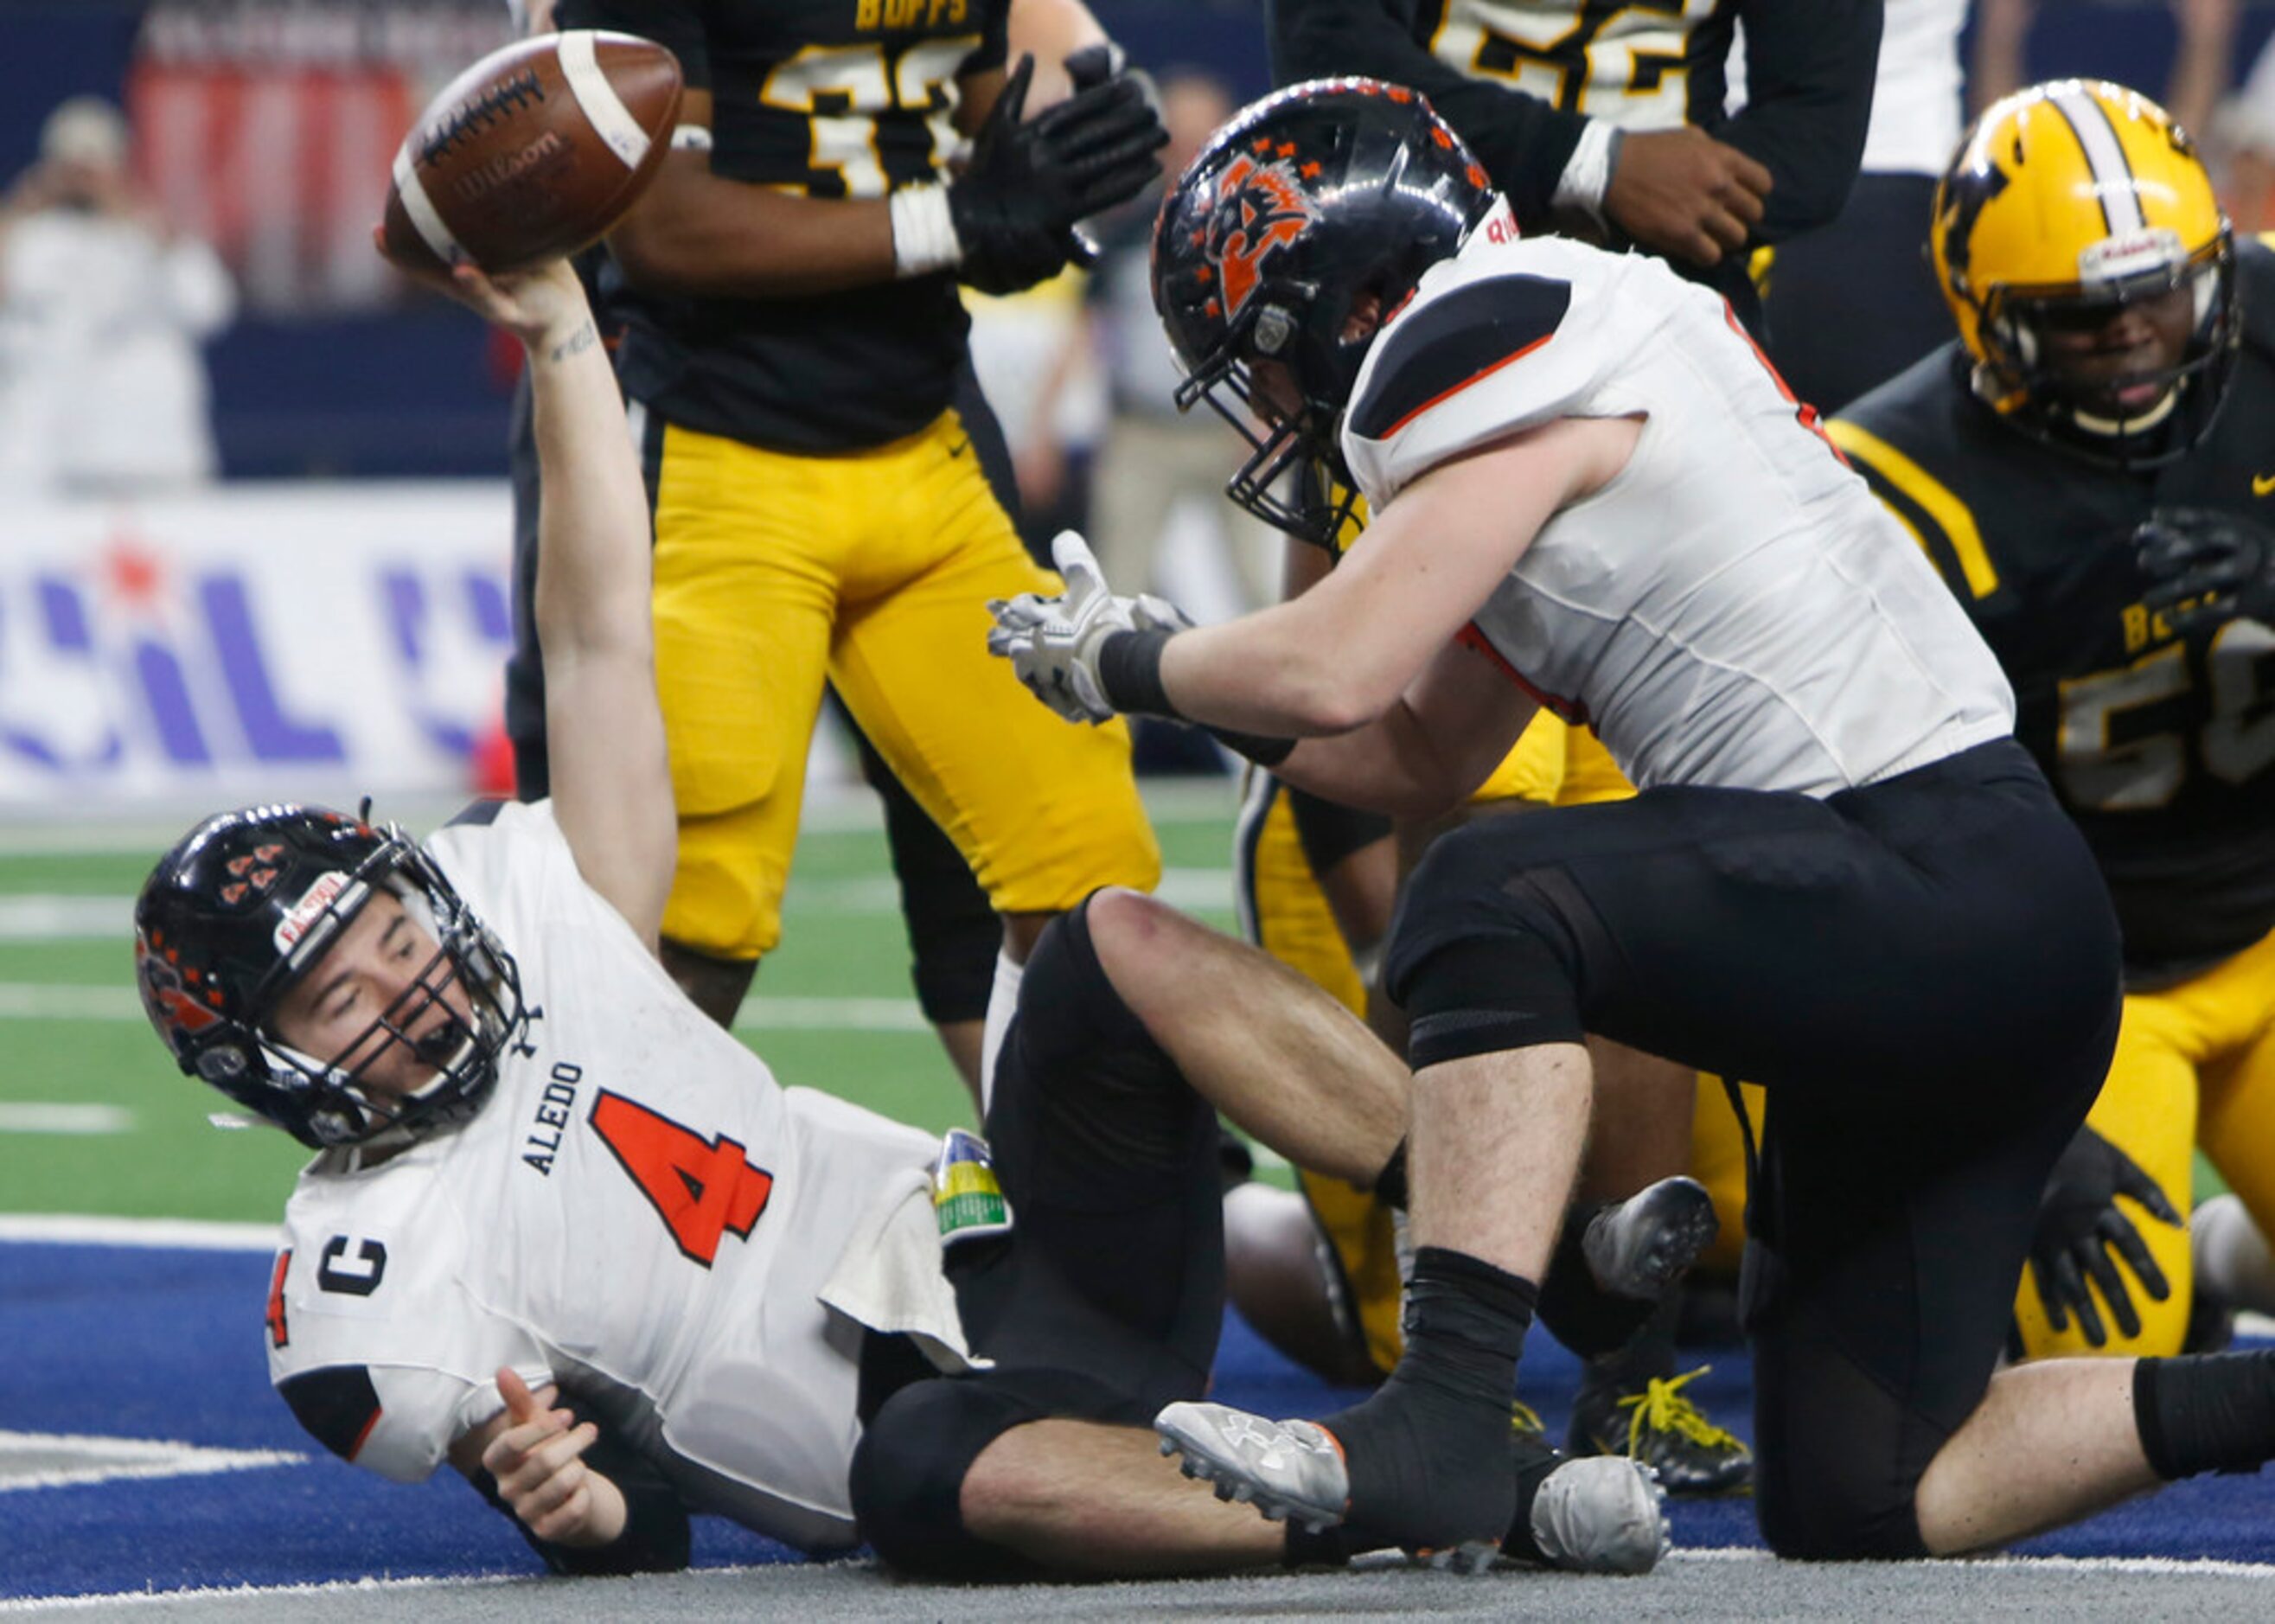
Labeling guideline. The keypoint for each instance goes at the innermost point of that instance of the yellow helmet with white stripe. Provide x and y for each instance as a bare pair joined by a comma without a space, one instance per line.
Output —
2067,204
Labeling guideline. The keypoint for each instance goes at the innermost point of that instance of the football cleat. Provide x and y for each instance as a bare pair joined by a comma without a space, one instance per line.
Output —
1661,1428
1639,1246
1284,1469
1606,1514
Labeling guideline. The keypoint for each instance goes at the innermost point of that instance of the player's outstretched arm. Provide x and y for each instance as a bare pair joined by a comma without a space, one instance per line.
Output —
611,777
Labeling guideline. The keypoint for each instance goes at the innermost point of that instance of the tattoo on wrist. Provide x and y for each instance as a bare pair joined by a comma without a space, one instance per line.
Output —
583,339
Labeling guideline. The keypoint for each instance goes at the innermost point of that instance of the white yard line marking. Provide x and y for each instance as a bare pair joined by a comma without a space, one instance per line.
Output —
176,1234
29,1116
38,917
109,1459
2174,1565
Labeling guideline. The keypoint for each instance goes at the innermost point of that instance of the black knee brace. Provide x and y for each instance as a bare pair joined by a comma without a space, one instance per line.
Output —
1482,958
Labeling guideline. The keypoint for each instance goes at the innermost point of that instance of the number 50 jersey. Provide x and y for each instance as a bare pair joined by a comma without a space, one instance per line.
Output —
2161,747
639,1213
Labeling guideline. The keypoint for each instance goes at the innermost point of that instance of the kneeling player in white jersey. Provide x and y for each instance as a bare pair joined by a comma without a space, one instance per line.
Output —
1842,879
569,1234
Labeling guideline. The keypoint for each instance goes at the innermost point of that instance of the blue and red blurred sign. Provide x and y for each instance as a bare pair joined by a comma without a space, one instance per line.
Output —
311,641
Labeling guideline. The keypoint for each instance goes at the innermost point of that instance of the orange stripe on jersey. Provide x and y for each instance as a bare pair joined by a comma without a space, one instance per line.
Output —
1567,710
1475,377
278,1337
1802,412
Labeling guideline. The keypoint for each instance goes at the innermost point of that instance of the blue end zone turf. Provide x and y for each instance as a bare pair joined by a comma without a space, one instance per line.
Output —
142,1343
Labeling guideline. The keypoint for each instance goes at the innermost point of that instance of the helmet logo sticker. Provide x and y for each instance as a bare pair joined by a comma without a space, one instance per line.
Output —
1260,208
166,994
2114,259
309,909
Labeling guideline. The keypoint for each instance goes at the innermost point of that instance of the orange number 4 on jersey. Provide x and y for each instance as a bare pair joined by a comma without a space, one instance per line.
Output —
700,1188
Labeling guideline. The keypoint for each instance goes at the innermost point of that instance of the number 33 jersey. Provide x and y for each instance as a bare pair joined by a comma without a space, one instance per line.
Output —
639,1213
2160,746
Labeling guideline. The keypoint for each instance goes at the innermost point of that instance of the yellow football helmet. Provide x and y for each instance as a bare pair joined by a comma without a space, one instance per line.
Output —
2066,203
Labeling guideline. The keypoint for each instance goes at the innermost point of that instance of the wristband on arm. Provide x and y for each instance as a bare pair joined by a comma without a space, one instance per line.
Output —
924,232
1129,675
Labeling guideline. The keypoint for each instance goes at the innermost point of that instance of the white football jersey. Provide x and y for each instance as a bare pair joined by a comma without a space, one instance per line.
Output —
639,1212
1734,607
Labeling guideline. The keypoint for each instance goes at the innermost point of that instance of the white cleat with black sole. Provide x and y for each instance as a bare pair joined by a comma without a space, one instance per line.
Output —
1284,1469
1606,1514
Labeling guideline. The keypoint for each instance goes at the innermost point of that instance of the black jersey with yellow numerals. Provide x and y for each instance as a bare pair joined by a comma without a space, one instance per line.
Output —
827,99
2161,746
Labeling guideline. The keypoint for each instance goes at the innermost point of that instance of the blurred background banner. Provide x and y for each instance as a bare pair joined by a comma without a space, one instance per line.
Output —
266,127
311,641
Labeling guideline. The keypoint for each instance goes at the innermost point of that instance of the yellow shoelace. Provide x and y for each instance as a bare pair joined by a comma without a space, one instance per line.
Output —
1524,1418
1662,1407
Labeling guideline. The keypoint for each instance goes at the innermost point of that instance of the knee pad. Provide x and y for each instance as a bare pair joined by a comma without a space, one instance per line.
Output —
907,1479
1483,958
1485,995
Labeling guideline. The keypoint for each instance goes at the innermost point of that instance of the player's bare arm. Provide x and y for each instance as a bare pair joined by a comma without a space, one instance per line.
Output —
535,1453
611,777
1340,654
1000,222
696,231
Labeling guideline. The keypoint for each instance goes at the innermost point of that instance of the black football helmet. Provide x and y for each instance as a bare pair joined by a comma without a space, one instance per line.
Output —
247,903
1307,201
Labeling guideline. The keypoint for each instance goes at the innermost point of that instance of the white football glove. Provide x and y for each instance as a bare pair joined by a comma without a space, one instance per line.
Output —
1052,643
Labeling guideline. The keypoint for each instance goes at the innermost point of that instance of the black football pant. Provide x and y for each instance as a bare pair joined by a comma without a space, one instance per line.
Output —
1106,1302
1924,975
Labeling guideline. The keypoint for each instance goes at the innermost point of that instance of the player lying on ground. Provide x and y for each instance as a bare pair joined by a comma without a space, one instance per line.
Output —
567,1233
1842,879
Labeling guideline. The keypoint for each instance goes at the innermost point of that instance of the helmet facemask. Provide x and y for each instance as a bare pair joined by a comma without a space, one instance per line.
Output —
2027,375
1293,478
2068,203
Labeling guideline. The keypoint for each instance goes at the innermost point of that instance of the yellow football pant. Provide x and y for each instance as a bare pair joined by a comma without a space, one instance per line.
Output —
873,569
2194,1064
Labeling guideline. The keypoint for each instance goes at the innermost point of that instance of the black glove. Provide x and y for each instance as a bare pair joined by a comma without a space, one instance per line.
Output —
2079,1224
1015,204
2218,564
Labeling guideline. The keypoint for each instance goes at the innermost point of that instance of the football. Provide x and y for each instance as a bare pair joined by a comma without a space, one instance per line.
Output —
532,152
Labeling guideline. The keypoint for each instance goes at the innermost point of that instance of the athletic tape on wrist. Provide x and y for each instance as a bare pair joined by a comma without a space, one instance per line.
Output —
1588,173
924,232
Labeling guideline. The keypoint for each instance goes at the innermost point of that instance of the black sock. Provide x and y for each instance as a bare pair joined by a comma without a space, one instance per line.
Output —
1430,1450
1533,1466
1330,1547
2206,1412
1647,1354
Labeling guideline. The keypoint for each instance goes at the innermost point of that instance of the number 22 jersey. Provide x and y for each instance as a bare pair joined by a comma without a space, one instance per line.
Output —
639,1212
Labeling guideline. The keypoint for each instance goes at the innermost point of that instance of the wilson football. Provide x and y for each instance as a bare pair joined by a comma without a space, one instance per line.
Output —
531,152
